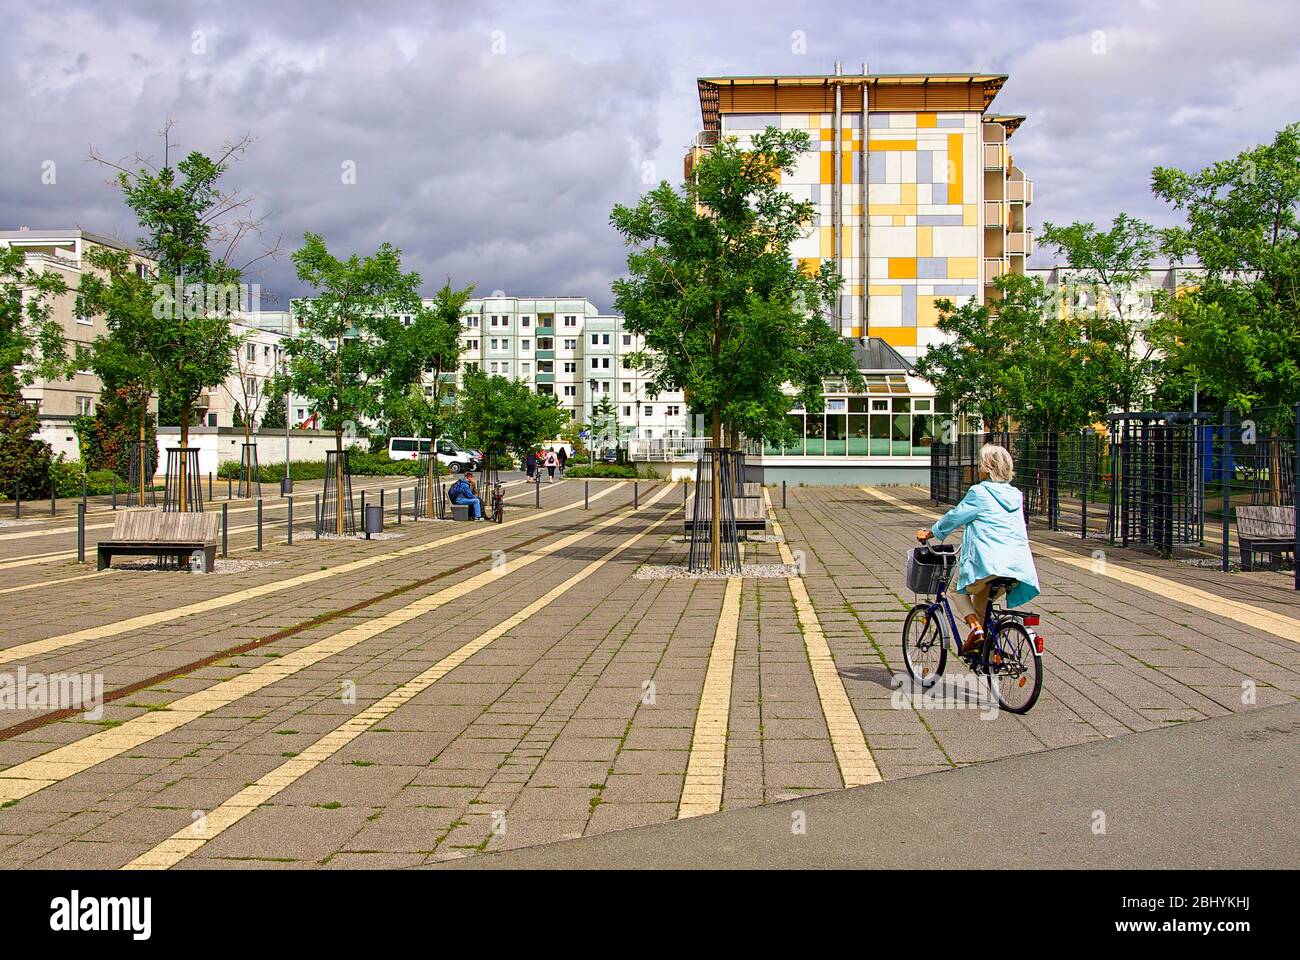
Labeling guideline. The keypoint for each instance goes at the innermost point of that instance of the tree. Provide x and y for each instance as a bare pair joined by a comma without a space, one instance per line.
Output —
192,230
1238,332
339,357
1028,361
726,315
31,341
503,416
124,359
604,422
1112,262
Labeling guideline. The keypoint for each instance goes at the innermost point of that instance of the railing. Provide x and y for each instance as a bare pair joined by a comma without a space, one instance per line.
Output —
993,156
1020,242
993,268
1020,191
680,448
994,215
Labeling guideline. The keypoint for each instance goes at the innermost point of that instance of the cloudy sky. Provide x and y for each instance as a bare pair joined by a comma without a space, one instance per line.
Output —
490,139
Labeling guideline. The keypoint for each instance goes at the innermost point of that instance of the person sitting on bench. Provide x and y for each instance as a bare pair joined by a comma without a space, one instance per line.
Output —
460,492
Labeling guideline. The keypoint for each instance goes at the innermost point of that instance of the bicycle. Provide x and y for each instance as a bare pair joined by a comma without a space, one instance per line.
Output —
1011,656
494,504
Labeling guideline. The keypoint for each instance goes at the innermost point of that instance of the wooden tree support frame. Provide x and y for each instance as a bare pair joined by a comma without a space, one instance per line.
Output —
183,492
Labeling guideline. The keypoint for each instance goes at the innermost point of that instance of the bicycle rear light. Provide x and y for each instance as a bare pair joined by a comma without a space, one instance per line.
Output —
1038,644
1031,620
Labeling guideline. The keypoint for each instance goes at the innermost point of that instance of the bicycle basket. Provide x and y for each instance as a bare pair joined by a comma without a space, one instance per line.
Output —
925,568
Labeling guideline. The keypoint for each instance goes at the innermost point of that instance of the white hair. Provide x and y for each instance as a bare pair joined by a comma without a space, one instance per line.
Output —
996,462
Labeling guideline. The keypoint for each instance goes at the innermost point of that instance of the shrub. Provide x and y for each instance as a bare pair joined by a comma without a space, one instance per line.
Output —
363,463
24,459
602,471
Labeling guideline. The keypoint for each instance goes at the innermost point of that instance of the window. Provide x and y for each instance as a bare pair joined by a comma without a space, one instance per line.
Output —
595,363
428,391
83,319
604,339
471,321
406,320
494,343
212,419
494,320
250,352
505,321
527,368
627,387
472,365
141,271
604,386
545,366
627,339
674,411
570,391
526,345
570,366
570,344
85,406
545,343
595,339
250,386
627,411
299,415
604,363
494,366
570,321
525,321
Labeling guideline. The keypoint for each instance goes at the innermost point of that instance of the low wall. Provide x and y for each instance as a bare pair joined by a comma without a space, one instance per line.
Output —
217,445
812,471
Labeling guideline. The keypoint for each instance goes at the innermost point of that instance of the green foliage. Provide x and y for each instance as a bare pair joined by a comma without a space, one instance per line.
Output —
273,415
24,459
1238,333
346,330
725,313
104,438
606,471
502,416
1027,363
1108,264
604,422
30,338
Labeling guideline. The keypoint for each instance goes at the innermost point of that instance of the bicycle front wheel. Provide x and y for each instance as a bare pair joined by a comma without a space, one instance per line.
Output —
1013,666
924,652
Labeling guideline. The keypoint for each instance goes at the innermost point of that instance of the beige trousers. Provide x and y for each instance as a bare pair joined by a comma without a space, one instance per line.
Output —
975,599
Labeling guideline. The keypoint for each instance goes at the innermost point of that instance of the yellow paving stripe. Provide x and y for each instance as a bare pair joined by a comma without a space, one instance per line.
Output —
1260,618
50,644
24,779
857,765
702,791
50,583
184,842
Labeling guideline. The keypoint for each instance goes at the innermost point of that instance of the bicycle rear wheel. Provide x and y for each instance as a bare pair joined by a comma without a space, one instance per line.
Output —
1013,666
924,652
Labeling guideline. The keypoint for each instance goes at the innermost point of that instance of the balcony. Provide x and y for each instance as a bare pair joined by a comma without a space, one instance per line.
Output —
993,268
995,216
1020,191
1020,242
994,156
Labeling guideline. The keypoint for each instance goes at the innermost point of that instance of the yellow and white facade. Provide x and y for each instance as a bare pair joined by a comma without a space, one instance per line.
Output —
916,195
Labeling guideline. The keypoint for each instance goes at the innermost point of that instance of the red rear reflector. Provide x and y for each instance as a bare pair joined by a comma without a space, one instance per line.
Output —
1038,644
1031,620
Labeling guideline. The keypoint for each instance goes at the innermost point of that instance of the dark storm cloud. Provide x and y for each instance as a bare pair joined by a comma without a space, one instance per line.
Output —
490,141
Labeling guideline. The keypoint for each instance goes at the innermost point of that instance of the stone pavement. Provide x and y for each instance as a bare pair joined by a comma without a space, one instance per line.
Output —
455,688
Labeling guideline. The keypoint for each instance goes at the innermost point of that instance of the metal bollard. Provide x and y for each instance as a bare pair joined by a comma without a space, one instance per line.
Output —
210,486
81,533
381,500
18,503
782,494
52,498
586,490
318,517
363,504
399,506
537,496
1225,469
259,523
225,526
290,498
636,495
83,490
230,489
115,491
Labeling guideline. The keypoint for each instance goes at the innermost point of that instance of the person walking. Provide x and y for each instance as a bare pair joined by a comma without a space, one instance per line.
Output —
552,461
530,463
563,457
995,544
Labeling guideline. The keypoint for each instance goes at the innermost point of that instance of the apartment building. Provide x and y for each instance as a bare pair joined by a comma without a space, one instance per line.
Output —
63,252
916,198
916,194
565,347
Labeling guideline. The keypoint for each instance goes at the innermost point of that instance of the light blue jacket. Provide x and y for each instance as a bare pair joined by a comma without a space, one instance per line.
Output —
995,543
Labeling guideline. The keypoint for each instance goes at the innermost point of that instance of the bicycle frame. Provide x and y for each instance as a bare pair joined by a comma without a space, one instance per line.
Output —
992,619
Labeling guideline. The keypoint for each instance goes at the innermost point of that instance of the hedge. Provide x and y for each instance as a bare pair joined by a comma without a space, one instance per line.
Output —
605,471
363,464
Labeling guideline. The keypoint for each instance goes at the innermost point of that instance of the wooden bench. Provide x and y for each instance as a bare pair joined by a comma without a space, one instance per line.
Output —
750,513
1268,530
182,536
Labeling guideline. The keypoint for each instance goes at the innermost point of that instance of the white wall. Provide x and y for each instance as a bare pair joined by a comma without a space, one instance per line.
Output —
216,445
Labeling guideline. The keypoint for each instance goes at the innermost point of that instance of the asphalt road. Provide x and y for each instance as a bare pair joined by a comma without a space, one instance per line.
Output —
1220,793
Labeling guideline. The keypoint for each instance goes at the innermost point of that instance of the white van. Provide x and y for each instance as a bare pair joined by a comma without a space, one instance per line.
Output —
449,455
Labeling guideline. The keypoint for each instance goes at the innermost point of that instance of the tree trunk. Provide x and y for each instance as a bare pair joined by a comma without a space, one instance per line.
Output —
715,497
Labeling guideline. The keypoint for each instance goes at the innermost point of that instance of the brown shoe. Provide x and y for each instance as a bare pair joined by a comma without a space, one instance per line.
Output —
973,641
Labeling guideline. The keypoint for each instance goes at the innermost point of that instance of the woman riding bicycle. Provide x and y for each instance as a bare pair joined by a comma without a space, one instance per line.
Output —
995,544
